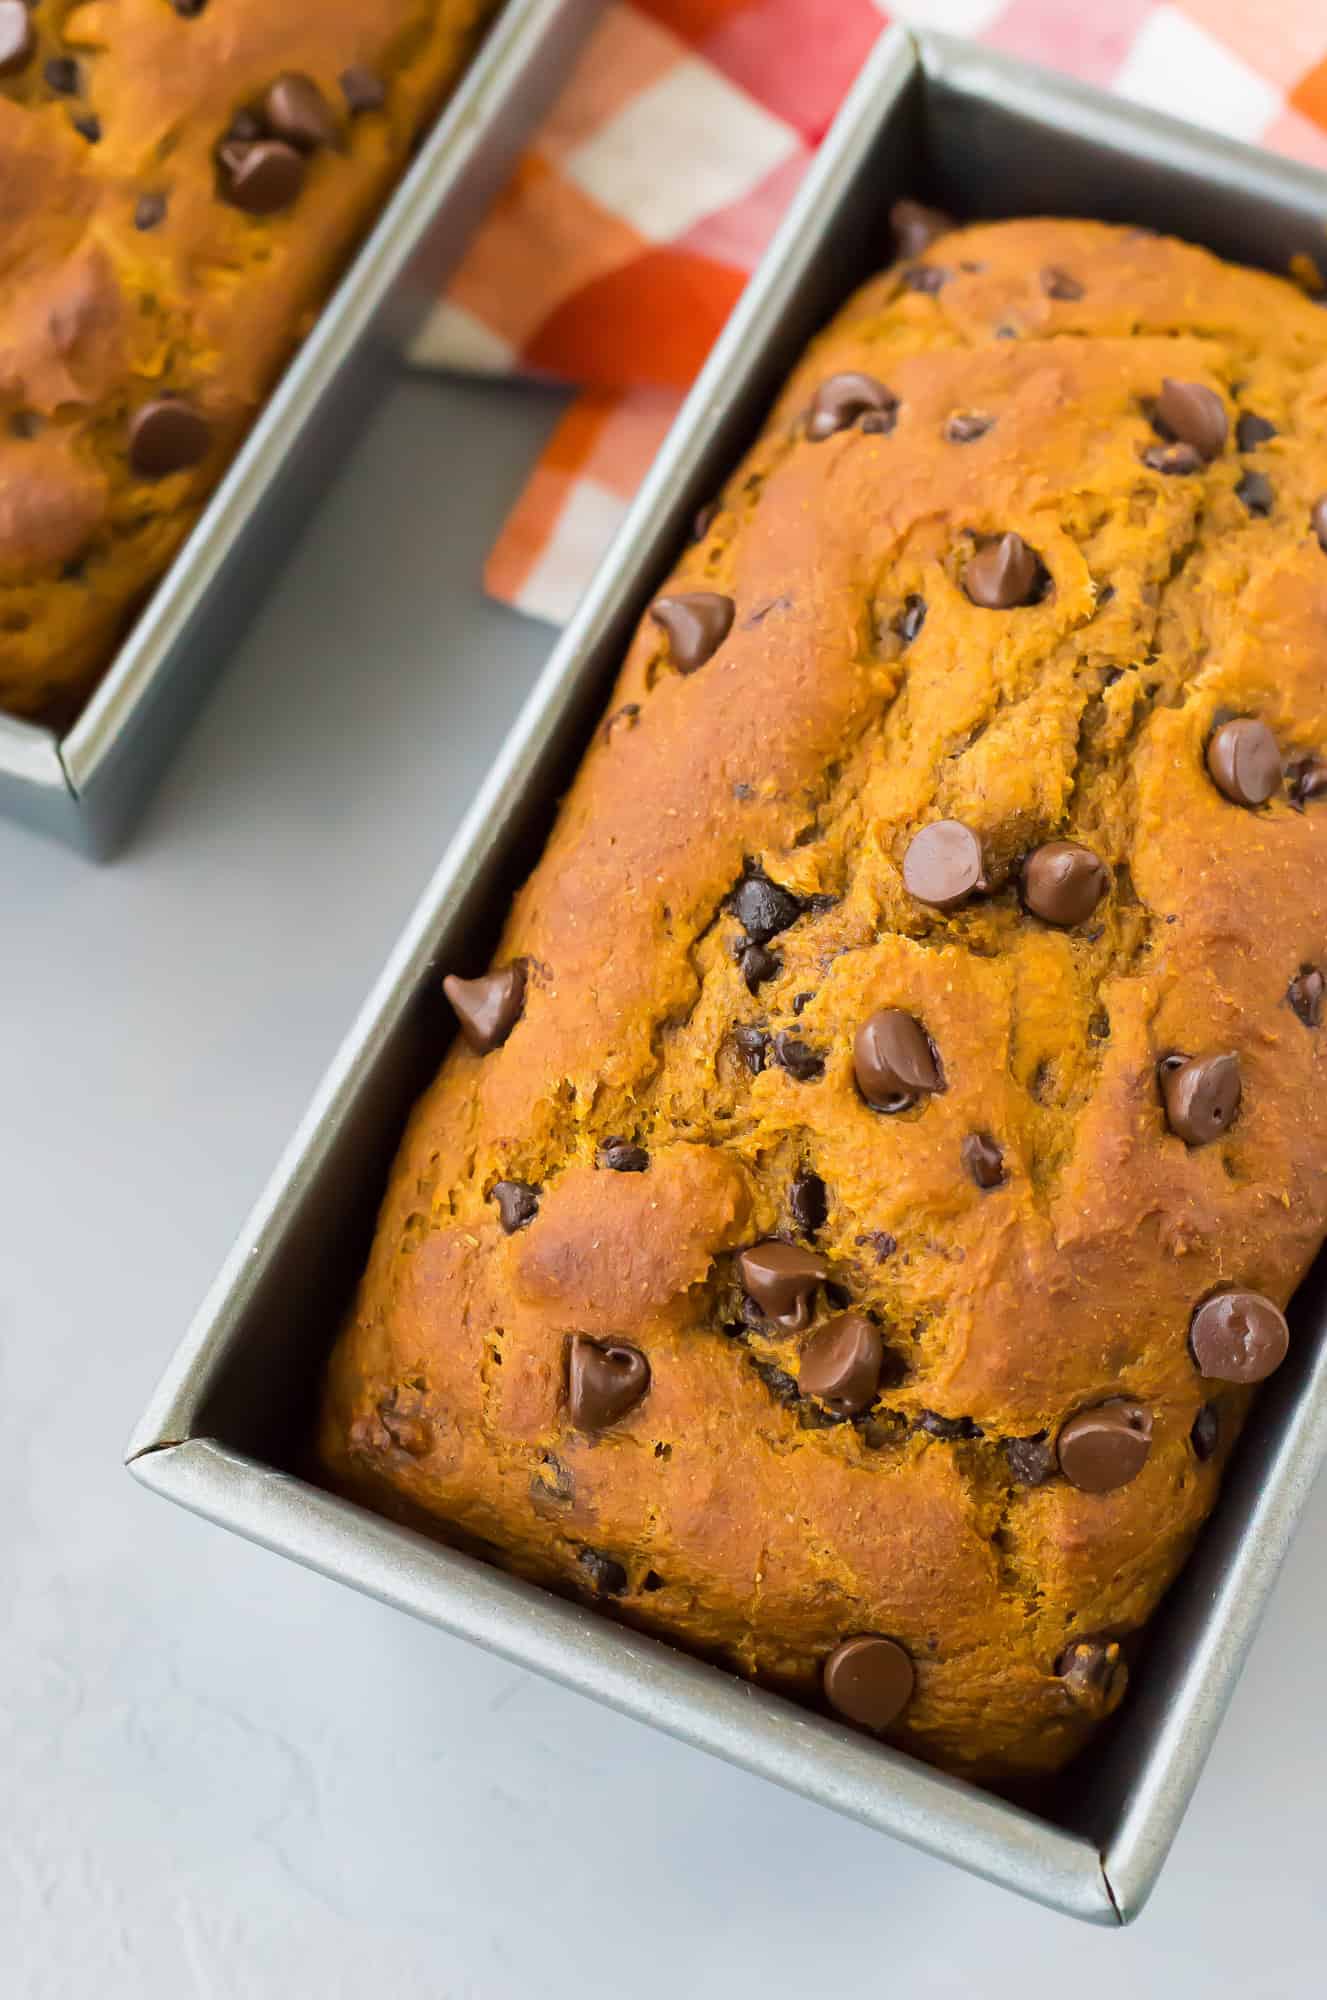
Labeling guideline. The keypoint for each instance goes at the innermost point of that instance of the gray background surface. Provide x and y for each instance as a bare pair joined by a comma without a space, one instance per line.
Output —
221,1776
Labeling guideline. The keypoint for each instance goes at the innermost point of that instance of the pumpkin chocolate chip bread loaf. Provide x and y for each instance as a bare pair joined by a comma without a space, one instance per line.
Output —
869,1180
182,181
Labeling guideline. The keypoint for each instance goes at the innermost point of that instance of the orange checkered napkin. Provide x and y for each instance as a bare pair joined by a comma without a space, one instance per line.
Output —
635,218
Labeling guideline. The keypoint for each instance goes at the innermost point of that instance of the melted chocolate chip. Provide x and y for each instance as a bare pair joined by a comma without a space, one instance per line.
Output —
260,176
489,1007
18,39
188,10
841,1364
928,278
1251,431
696,623
1003,573
1063,882
88,127
1305,994
1094,1674
781,1385
1175,460
296,110
801,1000
61,74
703,520
751,1046
149,210
1256,491
949,1430
762,908
1201,1095
801,1062
983,1159
758,965
943,865
1205,1434
362,89
606,1575
1318,520
1192,414
880,1241
517,1202
966,426
809,1202
1058,284
1031,1460
651,1580
782,1278
1244,762
408,1430
605,1380
551,1484
895,1061
1105,1447
167,436
621,1157
1308,780
869,1681
1238,1336
916,227
911,618
842,399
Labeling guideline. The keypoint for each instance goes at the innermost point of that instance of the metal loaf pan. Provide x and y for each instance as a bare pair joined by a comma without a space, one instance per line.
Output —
88,785
984,136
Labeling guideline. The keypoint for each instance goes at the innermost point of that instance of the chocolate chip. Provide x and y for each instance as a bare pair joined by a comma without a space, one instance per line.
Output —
1031,1460
881,421
1194,415
651,1580
948,1429
621,1157
1201,1095
762,908
408,1431
801,1062
696,623
1003,573
605,1380
895,1060
362,89
751,1045
967,426
18,40
1094,1674
781,1385
149,210
261,176
758,965
1308,780
943,865
842,399
606,1575
188,10
916,227
911,618
1175,460
1058,284
781,1278
1105,1447
489,1007
61,73
809,1202
296,110
1305,994
1244,762
1251,431
1257,493
518,1204
1205,1433
24,424
167,436
1063,882
929,278
1238,1336
801,1000
703,520
841,1364
880,1241
88,127
245,126
551,1484
869,1680
1098,1025
1318,520
983,1159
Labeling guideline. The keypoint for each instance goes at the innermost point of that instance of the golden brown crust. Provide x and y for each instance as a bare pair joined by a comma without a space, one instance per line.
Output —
101,317
816,741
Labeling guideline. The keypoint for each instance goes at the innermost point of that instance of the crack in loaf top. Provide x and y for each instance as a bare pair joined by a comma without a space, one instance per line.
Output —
939,914
181,182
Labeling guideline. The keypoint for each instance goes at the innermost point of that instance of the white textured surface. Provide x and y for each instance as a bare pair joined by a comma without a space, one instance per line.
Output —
223,1777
